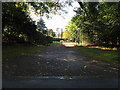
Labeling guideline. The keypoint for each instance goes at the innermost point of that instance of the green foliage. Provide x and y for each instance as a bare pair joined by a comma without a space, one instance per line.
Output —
45,7
41,25
72,28
99,22
57,39
18,26
49,39
12,51
51,33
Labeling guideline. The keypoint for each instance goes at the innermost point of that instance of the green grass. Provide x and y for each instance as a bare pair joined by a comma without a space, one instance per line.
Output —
12,51
98,54
18,50
54,42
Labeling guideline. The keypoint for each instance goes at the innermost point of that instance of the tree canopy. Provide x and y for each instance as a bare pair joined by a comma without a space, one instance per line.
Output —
97,21
19,27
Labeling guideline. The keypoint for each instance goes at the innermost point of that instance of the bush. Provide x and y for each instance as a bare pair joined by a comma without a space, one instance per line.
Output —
49,39
57,39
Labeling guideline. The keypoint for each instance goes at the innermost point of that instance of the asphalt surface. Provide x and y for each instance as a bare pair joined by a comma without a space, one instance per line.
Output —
58,66
60,82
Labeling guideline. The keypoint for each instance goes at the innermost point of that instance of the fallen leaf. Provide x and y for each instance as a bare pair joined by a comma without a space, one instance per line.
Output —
85,67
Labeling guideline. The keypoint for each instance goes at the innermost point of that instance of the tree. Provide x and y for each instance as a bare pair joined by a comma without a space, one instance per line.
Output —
66,34
99,21
51,33
41,26
17,25
72,28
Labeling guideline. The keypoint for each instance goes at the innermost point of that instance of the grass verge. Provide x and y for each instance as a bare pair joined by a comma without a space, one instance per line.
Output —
54,42
98,54
18,50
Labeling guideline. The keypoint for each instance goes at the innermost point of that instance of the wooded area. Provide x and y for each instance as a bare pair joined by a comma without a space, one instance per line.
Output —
18,27
95,23
34,54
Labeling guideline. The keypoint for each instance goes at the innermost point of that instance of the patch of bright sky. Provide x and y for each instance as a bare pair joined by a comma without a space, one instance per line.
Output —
59,21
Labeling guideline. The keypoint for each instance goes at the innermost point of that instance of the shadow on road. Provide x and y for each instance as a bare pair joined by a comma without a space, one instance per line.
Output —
58,66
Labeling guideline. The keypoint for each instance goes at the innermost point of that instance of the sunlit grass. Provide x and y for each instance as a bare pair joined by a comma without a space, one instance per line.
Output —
18,50
99,54
54,42
103,48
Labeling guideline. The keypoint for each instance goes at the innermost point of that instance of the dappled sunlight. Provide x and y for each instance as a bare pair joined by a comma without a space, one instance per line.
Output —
92,61
103,48
69,44
58,39
113,68
65,59
68,59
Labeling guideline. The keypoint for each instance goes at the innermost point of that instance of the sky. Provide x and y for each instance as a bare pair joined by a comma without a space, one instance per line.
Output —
57,21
